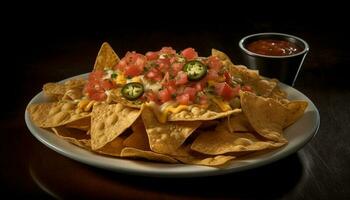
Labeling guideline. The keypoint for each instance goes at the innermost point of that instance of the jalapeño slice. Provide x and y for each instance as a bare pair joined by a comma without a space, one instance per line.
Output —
132,91
195,70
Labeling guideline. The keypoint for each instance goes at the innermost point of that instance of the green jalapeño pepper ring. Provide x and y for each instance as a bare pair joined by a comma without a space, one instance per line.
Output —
132,91
195,70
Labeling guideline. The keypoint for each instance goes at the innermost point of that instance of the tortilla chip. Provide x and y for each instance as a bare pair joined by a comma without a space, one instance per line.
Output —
54,90
149,155
113,148
59,90
109,121
47,115
222,56
247,76
185,155
196,113
265,87
75,83
209,125
221,141
166,137
262,86
296,110
83,124
75,136
239,72
279,95
266,115
116,96
236,123
106,58
138,138
73,94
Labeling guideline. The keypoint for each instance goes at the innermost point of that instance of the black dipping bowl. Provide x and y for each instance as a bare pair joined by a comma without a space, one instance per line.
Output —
284,68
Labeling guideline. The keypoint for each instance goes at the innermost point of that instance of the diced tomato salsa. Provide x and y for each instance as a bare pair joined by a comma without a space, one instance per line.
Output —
165,78
96,86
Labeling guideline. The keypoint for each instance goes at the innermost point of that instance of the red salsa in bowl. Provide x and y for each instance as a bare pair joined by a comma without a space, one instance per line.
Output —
273,47
276,55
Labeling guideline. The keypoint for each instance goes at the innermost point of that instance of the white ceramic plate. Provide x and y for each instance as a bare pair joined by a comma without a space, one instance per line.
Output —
298,135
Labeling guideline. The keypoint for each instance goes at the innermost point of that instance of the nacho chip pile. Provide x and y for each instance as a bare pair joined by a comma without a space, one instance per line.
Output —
211,135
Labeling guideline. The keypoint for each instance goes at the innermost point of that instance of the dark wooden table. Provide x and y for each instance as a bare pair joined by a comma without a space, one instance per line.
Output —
321,170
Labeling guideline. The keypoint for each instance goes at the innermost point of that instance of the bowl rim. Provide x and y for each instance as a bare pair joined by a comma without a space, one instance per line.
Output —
241,42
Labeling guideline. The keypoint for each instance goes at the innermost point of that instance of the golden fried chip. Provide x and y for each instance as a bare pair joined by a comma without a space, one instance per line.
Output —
222,56
72,89
166,137
73,94
47,115
221,141
236,123
115,96
149,155
75,83
266,115
138,138
279,95
209,125
185,155
75,136
75,86
174,112
106,58
83,124
113,148
241,73
196,113
109,121
54,90
244,75
296,110
265,87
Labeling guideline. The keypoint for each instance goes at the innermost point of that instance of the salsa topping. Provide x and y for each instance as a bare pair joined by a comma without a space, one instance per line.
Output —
273,47
166,76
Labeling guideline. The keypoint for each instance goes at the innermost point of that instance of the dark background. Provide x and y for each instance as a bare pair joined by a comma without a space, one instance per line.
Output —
46,45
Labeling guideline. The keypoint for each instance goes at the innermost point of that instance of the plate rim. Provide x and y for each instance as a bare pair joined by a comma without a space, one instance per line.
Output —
206,171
